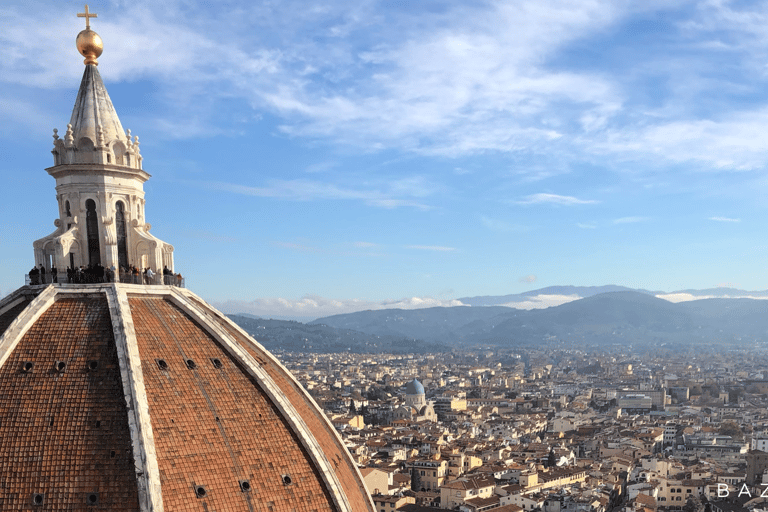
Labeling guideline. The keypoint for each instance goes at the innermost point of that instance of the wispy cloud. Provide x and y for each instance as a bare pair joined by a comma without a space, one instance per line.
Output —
730,141
438,248
724,219
320,167
630,220
383,77
586,226
687,297
369,76
294,246
308,190
542,301
500,225
17,112
528,279
314,306
554,199
364,245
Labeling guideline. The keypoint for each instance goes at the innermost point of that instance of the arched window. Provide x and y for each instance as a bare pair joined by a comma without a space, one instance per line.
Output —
66,209
122,247
92,228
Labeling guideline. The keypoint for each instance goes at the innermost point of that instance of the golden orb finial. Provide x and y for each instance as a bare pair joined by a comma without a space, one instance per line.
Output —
89,44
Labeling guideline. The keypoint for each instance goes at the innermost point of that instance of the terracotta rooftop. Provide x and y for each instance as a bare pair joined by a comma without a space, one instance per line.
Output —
127,397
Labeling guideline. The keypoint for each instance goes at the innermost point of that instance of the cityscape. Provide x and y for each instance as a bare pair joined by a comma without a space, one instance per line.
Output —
550,430
122,389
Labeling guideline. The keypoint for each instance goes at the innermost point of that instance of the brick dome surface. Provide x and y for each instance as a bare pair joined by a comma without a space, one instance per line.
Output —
146,398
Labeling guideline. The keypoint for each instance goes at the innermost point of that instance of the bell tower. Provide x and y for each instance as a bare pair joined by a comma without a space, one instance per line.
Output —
99,183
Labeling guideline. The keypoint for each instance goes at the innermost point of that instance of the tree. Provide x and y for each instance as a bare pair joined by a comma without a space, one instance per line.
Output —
415,480
693,504
729,428
551,459
352,408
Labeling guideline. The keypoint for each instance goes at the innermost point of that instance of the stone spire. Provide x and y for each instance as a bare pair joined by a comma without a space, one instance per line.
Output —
99,183
94,133
94,117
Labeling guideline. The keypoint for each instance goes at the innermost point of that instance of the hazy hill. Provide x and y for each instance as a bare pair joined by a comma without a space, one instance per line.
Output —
298,337
579,291
607,318
444,325
588,291
618,317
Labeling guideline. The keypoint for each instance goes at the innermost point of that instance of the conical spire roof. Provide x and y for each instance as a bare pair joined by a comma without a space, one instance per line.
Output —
94,109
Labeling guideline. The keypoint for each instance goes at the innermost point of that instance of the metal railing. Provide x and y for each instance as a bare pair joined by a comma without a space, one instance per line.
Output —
86,277
156,279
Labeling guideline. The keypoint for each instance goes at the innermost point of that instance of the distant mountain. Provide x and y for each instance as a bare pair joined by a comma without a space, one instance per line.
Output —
619,317
299,337
579,291
444,325
607,315
538,298
721,292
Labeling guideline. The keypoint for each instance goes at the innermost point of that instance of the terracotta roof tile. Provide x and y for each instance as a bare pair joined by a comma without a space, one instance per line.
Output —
215,426
65,434
346,472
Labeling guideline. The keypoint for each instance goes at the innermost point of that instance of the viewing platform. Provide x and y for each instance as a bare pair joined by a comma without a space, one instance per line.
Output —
80,278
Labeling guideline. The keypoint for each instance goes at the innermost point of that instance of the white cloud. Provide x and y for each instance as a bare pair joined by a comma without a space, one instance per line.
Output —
313,306
730,141
724,219
686,297
453,82
586,226
554,199
364,245
541,301
528,279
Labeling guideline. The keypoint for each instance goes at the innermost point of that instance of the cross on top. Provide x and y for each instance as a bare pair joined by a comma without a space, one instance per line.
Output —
87,15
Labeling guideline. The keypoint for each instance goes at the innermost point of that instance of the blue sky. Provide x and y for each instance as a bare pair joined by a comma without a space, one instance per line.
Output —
319,157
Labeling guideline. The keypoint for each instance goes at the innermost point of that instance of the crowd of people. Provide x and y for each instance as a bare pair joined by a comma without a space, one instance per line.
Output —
100,274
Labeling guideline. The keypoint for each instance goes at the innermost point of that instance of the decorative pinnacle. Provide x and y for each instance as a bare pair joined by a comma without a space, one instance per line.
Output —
87,15
89,43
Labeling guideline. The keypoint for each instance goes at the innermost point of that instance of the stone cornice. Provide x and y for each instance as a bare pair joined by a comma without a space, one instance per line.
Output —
113,170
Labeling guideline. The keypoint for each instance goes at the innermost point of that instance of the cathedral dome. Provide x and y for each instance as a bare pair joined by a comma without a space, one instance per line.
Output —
414,388
134,397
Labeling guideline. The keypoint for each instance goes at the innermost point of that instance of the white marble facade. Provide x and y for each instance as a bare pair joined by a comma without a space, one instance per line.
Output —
100,191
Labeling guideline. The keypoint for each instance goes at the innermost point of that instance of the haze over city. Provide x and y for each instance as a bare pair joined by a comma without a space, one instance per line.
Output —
312,159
